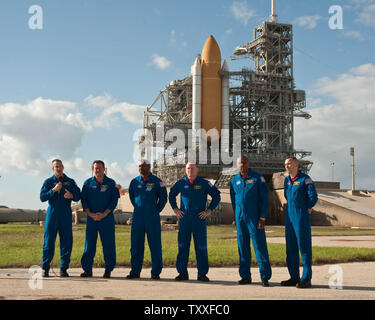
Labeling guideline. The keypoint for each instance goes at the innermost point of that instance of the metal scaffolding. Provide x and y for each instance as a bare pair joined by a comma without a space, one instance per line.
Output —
172,107
264,101
263,105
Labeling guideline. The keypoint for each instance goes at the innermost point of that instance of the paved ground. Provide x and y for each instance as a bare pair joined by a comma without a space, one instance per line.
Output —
336,241
358,283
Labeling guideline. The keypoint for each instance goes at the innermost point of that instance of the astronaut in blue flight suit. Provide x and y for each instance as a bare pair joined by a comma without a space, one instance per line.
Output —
59,190
148,195
192,219
249,197
99,198
301,196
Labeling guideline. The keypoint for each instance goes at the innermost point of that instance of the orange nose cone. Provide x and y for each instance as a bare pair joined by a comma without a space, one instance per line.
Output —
211,86
211,51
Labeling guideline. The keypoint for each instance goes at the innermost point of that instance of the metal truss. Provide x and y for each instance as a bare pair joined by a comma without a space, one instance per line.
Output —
264,102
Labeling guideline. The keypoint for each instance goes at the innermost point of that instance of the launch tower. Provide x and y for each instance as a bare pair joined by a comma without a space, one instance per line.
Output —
263,103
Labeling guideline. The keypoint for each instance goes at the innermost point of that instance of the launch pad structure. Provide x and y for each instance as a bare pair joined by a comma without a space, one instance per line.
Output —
263,103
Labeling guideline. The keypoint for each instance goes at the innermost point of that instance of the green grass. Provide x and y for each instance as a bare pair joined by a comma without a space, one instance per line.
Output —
21,246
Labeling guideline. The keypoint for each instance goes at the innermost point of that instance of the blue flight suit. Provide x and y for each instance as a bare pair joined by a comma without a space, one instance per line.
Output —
148,198
58,219
300,196
249,197
193,201
98,198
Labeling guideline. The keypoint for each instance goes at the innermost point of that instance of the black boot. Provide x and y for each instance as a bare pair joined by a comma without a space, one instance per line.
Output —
64,274
304,284
289,283
203,278
86,274
182,277
245,281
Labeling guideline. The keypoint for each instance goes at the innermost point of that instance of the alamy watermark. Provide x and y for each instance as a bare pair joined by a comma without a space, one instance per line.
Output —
197,146
36,20
36,279
336,21
336,281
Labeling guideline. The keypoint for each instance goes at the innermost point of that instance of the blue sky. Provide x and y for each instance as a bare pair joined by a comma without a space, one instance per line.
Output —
77,88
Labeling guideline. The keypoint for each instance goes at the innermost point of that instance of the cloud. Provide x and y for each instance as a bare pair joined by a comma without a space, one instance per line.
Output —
38,130
307,22
367,15
354,35
129,112
99,101
114,111
241,12
31,135
124,174
160,62
334,128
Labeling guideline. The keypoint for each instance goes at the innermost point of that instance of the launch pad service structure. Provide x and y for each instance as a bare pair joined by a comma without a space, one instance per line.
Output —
261,104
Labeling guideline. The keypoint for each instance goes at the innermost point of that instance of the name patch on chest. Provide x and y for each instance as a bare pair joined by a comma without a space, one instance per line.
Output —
250,181
103,188
197,187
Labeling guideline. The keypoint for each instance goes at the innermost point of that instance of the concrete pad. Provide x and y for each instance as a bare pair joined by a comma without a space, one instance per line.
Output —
364,204
358,283
335,241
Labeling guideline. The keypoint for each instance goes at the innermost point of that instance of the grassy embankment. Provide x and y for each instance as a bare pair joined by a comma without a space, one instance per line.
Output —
21,246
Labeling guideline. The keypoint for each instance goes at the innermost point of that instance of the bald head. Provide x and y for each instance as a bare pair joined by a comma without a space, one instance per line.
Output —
243,164
144,167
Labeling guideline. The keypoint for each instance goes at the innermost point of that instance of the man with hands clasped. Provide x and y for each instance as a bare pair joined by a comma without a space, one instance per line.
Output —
99,198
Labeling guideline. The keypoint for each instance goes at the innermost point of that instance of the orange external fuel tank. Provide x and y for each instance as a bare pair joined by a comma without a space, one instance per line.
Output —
211,99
